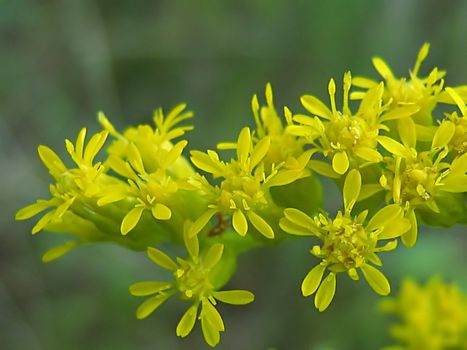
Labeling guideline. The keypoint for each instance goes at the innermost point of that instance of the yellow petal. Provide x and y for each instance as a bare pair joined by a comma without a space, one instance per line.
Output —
51,160
443,134
43,221
312,280
315,106
260,151
351,191
213,255
191,242
210,332
294,229
235,297
243,144
58,251
161,212
187,322
326,292
368,154
161,259
384,217
260,224
382,68
376,279
239,222
141,289
392,146
399,112
340,162
407,132
148,307
323,168
410,237
32,210
202,221
212,315
94,145
131,220
299,218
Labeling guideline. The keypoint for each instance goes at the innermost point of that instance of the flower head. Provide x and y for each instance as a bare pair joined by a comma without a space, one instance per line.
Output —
347,139
432,317
244,189
83,181
348,243
193,282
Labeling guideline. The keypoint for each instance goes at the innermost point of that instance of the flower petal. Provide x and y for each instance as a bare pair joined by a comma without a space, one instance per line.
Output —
326,292
161,212
376,279
315,106
213,255
187,322
141,289
351,191
260,224
161,259
131,220
239,222
58,251
313,279
340,162
148,307
235,297
443,134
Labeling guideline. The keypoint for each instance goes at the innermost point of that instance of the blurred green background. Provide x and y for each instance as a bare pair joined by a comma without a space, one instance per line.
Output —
62,61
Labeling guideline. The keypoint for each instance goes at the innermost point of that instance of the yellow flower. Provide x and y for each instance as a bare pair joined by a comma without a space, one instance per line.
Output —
153,144
432,317
345,138
455,126
152,165
244,190
82,182
348,243
193,283
412,179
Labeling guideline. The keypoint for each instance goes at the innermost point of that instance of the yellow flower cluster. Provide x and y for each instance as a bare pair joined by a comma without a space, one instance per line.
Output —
396,159
432,317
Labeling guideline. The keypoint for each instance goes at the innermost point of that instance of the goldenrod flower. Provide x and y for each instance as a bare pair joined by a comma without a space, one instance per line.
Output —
86,180
432,317
153,166
244,190
193,283
345,138
348,242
